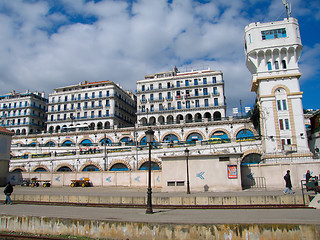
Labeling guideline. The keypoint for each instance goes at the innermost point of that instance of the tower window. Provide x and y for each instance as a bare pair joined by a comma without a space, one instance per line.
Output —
272,34
281,124
286,121
284,104
279,105
276,65
269,66
284,64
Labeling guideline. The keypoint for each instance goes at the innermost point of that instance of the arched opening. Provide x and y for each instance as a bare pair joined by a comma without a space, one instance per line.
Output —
90,168
217,116
86,142
106,125
18,170
40,169
152,121
207,115
161,120
170,138
67,143
64,169
119,167
245,135
99,125
220,135
92,126
50,144
143,121
194,137
179,118
169,119
143,141
105,141
57,128
23,132
154,166
51,129
188,118
198,117
18,132
247,177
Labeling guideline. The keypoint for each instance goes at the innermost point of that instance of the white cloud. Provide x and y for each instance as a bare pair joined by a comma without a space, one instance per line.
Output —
42,50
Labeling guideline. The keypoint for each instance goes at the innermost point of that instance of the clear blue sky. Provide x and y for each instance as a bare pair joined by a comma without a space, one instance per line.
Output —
54,43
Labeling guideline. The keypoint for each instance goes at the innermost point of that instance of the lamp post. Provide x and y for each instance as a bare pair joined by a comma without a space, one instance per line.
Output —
149,139
187,160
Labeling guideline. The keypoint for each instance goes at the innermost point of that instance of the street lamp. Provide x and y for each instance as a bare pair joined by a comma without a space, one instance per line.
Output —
187,159
149,139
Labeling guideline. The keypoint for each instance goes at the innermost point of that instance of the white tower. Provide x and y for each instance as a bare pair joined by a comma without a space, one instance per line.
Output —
272,53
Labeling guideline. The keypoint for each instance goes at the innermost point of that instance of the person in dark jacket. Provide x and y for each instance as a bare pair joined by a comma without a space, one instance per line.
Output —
8,191
287,178
308,176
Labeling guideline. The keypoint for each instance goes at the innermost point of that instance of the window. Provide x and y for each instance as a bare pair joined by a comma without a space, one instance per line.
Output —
107,113
284,104
160,86
289,141
85,105
186,83
92,104
214,80
269,66
281,124
168,85
276,65
92,114
205,91
152,108
179,104
65,107
151,96
284,64
79,96
187,104
279,105
215,90
169,95
195,81
160,107
187,93
272,34
216,102
206,102
93,95
160,96
66,98
178,94
109,93
143,88
178,83
79,106
100,93
197,103
107,103
151,86
86,96
286,122
250,38
143,108
196,92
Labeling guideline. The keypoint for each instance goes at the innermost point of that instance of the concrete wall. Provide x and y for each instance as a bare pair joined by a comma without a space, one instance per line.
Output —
206,173
131,230
112,178
274,173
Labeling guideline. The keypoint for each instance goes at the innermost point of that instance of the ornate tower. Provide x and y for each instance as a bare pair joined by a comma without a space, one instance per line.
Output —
272,53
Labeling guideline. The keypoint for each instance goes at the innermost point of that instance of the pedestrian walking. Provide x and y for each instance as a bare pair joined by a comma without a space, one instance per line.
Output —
8,191
287,178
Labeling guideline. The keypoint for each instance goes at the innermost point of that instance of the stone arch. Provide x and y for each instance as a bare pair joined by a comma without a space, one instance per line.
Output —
217,116
101,138
87,163
243,128
85,138
17,168
280,86
142,136
40,166
106,125
246,153
99,125
179,118
126,136
161,120
51,140
193,131
198,117
152,120
144,160
171,132
92,126
23,131
170,119
143,121
57,128
124,162
66,140
64,165
222,130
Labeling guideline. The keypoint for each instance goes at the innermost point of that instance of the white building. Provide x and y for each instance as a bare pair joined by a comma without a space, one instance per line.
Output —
93,105
273,51
23,113
174,97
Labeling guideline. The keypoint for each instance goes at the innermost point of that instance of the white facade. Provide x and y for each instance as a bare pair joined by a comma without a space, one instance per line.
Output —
174,97
273,51
23,113
94,105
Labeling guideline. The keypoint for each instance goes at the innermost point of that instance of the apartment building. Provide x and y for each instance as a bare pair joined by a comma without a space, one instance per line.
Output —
90,105
23,113
181,97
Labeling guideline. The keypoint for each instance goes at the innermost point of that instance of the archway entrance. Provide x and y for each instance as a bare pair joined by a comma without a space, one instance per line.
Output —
248,180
